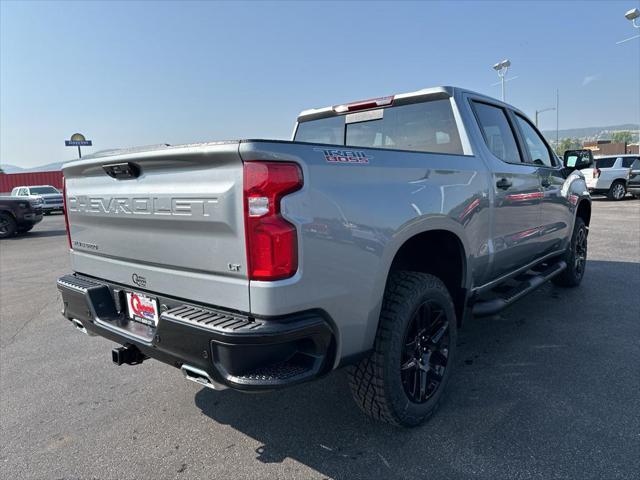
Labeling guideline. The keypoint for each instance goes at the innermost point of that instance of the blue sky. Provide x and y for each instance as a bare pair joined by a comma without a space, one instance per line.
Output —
144,73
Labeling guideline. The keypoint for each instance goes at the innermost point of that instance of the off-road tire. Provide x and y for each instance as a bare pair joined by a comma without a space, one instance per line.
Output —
376,382
572,275
8,225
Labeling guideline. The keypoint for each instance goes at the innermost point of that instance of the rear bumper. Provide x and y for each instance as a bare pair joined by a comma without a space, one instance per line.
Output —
234,349
633,189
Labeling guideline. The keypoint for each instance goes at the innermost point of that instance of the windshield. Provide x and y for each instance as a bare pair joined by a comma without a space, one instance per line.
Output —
42,190
422,127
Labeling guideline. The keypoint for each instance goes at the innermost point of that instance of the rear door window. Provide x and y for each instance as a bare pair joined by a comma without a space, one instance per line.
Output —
497,132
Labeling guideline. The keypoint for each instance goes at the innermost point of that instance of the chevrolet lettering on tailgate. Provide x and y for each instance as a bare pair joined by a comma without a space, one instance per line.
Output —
142,205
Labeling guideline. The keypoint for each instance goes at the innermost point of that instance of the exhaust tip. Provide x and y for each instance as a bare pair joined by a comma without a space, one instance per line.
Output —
200,377
79,326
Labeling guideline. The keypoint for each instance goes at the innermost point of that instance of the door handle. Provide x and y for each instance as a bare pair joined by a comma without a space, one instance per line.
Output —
503,184
546,183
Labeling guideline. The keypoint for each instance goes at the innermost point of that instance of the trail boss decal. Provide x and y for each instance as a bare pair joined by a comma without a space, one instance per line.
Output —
332,155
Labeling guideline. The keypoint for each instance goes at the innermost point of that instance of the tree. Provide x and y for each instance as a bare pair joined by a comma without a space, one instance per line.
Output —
568,144
622,137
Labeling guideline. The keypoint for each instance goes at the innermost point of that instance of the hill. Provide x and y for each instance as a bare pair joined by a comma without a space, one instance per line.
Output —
8,168
591,133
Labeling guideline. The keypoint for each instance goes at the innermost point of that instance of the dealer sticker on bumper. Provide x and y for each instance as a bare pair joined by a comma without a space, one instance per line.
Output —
142,308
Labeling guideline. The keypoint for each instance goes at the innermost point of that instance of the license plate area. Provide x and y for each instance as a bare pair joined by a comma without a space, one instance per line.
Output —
142,308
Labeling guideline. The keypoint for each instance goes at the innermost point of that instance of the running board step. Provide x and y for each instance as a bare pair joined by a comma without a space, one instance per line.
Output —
484,308
277,372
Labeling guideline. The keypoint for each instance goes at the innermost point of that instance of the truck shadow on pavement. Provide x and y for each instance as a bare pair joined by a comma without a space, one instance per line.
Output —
531,388
38,234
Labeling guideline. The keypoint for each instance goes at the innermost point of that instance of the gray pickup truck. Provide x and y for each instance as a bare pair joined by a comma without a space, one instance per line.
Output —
366,241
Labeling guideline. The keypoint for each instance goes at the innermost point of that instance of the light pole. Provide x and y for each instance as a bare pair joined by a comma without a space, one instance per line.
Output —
543,110
632,15
502,68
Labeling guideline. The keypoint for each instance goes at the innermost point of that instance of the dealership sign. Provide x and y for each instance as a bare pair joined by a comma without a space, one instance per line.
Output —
77,140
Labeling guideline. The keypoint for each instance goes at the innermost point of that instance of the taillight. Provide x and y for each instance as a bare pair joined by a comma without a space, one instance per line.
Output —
64,205
596,172
272,244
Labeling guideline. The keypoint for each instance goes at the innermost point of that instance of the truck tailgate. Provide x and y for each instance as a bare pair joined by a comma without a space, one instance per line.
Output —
176,228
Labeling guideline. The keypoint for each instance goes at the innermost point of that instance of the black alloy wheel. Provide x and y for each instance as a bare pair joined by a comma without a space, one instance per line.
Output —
426,352
581,252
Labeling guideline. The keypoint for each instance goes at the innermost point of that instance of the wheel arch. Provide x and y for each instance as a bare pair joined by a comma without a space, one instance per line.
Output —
9,212
584,211
439,252
406,239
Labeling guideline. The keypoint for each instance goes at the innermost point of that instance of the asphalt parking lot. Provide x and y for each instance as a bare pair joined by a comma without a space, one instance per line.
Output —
548,389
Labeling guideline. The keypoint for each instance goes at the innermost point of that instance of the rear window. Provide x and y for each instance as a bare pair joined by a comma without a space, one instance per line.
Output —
324,130
605,162
421,127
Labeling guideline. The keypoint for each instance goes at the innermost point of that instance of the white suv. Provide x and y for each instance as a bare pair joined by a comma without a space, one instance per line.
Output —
609,175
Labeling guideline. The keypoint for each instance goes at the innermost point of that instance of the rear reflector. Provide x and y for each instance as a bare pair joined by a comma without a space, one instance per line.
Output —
364,104
64,205
272,244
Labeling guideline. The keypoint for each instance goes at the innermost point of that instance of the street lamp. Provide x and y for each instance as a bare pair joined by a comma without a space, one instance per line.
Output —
502,68
543,110
632,15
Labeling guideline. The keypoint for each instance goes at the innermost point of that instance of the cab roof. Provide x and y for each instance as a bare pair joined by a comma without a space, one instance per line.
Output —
432,93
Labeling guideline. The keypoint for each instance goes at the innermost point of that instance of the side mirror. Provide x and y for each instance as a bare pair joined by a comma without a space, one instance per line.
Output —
578,159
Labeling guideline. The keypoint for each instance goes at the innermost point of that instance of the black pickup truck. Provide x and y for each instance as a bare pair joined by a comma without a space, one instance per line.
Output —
17,215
